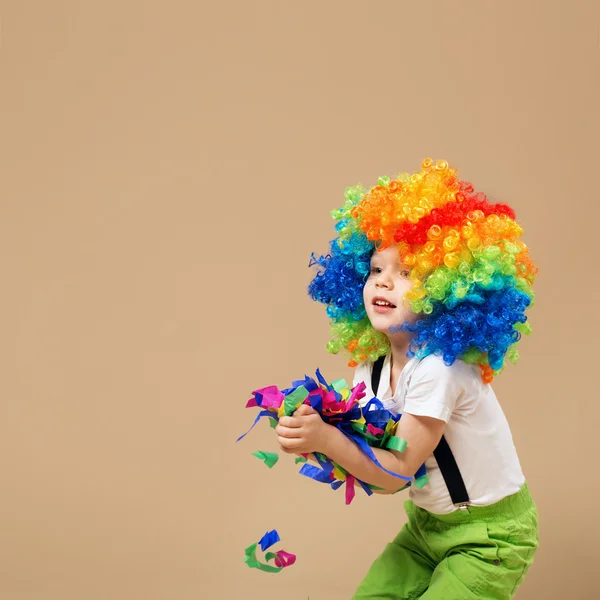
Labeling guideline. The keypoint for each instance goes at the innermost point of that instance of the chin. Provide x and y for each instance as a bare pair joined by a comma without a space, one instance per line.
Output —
385,330
381,323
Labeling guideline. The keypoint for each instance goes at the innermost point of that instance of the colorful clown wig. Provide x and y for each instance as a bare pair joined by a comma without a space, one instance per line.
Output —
472,276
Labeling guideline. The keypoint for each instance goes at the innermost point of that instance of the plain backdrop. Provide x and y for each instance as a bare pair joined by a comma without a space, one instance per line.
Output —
166,169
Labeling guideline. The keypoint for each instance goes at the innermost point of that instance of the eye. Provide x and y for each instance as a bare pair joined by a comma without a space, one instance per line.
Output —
375,270
405,273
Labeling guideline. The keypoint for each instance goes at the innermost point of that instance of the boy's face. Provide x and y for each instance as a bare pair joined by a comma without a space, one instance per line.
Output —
384,290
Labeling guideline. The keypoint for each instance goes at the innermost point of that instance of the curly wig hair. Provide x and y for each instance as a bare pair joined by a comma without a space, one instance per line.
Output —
472,276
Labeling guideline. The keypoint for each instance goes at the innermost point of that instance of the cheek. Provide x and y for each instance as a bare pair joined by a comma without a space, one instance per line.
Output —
412,317
408,285
409,315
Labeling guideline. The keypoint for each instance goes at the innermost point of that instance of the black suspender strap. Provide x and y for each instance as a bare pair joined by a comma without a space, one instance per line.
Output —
443,454
376,374
451,473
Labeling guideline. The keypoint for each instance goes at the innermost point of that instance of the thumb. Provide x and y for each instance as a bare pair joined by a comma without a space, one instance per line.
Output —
305,409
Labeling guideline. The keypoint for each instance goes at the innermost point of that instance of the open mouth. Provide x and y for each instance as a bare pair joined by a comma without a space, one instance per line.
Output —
383,303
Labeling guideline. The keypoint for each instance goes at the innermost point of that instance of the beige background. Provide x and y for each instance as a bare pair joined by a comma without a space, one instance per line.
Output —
166,169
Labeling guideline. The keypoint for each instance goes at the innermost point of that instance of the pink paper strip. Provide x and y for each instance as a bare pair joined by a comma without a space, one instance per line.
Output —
284,559
329,399
357,394
349,488
374,430
272,396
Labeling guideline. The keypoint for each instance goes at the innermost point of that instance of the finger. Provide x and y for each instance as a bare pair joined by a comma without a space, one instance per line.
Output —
289,445
305,409
287,432
290,422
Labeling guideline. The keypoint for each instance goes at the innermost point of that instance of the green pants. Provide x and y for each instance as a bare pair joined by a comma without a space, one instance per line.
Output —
480,552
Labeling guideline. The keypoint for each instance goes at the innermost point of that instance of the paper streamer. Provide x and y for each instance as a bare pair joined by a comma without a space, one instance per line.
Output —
370,426
281,558
269,458
267,540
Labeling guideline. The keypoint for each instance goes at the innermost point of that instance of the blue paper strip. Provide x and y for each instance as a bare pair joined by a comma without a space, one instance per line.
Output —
362,444
325,463
421,471
315,473
317,403
322,380
267,540
365,487
261,414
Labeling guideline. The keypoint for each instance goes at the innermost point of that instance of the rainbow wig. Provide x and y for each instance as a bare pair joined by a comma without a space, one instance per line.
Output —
472,276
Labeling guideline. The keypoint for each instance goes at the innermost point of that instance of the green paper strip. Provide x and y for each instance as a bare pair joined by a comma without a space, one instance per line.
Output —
251,560
301,459
269,458
362,429
339,384
342,470
375,488
272,422
396,443
421,481
294,400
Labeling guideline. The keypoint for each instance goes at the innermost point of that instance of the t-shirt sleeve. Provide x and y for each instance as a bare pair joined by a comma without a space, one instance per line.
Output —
434,389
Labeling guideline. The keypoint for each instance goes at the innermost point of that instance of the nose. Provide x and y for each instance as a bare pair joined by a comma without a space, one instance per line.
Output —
384,281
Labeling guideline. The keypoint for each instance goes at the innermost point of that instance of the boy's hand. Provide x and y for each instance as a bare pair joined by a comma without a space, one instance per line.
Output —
304,432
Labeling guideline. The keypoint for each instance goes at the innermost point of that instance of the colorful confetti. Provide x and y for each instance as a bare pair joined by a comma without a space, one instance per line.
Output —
369,426
281,558
269,458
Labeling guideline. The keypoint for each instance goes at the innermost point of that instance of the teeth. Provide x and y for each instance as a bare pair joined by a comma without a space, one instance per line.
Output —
382,303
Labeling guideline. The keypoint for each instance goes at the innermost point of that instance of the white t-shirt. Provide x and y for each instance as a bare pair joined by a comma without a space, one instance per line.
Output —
476,429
